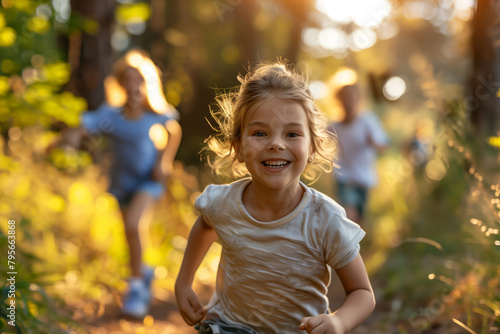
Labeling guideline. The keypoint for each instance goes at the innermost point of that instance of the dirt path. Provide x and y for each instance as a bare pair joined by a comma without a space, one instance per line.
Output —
164,318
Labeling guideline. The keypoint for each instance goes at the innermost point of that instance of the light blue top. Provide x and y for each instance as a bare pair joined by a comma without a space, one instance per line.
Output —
134,154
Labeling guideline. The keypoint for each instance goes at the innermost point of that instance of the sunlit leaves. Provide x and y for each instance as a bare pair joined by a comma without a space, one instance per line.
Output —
494,141
133,13
26,6
7,36
4,85
38,24
57,73
70,160
79,194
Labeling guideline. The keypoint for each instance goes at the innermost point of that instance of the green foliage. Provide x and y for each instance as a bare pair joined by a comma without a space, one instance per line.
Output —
32,74
70,240
31,70
450,275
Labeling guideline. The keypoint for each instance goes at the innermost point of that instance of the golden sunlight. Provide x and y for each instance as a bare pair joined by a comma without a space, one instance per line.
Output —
159,136
364,13
344,76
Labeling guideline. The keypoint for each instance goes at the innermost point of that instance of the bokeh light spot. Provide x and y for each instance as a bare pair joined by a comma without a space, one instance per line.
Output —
394,88
344,76
159,136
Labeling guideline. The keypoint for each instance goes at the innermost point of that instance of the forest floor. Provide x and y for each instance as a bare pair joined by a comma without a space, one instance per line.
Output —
164,318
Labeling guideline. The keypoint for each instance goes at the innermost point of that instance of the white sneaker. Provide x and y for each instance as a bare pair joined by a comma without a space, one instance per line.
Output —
136,303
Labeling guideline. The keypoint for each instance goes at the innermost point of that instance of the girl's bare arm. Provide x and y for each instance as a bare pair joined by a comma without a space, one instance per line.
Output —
163,167
202,236
357,306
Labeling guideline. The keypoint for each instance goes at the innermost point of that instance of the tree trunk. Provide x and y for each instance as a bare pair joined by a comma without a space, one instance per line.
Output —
90,56
482,102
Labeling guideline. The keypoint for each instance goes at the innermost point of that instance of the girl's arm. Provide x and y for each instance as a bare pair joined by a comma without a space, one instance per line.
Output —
380,148
202,236
163,167
357,306
68,137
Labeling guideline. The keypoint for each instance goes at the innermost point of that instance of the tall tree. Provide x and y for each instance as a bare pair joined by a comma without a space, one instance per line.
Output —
90,55
482,102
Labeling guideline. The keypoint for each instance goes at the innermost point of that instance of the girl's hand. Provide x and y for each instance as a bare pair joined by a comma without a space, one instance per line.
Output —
189,305
322,324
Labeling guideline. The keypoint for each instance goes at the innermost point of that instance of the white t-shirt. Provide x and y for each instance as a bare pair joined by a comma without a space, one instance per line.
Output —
272,274
357,156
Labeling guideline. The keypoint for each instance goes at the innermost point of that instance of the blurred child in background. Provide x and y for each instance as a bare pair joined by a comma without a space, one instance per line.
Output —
145,135
361,137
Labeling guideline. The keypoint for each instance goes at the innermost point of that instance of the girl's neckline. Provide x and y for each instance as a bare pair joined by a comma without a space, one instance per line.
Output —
133,119
275,223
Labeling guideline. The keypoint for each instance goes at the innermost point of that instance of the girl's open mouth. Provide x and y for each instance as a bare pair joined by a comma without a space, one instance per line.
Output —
275,164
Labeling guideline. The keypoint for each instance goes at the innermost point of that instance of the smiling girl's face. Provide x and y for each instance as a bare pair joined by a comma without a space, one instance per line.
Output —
133,83
275,144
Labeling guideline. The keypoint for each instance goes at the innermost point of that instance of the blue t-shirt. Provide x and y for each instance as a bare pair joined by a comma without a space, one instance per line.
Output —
134,153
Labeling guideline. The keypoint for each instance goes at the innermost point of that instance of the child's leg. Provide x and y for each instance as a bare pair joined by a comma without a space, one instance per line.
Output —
352,213
135,215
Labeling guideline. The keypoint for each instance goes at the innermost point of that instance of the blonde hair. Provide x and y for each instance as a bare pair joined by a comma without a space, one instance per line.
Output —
264,82
116,95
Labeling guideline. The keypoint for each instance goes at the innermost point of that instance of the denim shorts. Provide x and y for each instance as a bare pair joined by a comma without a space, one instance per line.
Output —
353,195
221,327
124,197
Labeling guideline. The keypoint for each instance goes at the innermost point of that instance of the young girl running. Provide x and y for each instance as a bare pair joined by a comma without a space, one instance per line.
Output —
144,136
279,237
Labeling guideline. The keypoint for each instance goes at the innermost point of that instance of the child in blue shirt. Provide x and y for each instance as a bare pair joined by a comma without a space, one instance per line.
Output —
145,135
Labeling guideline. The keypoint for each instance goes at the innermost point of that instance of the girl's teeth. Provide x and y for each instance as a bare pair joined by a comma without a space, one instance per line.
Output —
275,164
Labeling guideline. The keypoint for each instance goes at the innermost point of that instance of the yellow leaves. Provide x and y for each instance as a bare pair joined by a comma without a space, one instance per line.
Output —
57,73
65,106
79,193
22,189
26,6
35,93
133,13
178,191
8,36
55,203
2,21
494,141
7,163
38,24
4,85
69,159
71,107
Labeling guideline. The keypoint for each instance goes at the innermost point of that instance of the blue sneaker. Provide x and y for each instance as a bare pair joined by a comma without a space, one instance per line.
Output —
136,303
